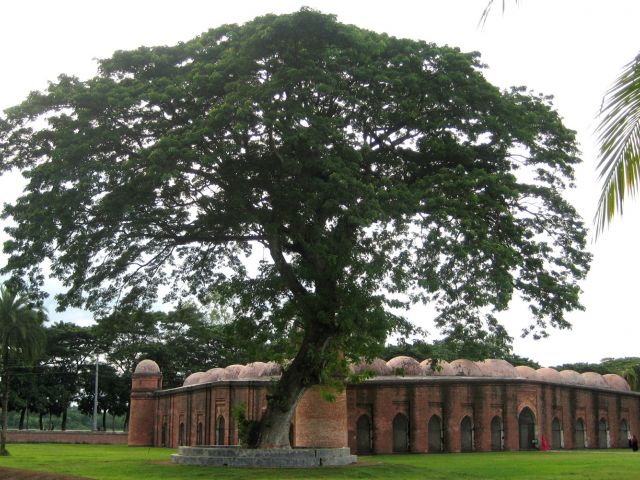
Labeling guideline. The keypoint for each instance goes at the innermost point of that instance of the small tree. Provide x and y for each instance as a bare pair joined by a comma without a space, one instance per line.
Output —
368,172
21,337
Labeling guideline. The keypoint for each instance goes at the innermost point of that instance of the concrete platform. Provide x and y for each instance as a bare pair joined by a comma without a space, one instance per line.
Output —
222,456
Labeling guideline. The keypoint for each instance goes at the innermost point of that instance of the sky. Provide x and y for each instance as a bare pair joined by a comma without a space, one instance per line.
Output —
573,50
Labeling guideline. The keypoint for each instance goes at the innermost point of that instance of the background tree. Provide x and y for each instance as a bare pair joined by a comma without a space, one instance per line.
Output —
369,172
21,338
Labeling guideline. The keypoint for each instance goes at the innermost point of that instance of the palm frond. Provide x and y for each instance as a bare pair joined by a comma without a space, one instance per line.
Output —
487,10
619,139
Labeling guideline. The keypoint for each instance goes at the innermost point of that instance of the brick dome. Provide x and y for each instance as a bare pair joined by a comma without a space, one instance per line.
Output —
252,370
616,382
216,373
549,375
497,368
378,366
232,371
442,368
193,379
147,367
593,379
571,377
524,371
466,368
405,366
272,369
446,370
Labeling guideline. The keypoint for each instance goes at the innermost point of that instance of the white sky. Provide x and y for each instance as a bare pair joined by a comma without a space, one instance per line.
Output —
572,49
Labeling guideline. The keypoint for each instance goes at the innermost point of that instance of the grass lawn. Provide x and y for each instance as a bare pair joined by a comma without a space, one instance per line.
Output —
122,462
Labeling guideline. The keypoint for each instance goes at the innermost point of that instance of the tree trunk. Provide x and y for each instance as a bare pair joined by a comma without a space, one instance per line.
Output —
23,412
304,372
63,425
125,427
104,420
40,423
5,412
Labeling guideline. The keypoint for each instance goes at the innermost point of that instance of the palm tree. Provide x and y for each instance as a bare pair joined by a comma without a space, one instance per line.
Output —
619,137
21,336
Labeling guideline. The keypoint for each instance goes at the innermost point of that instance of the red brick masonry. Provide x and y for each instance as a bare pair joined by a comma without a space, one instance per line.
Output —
72,436
463,406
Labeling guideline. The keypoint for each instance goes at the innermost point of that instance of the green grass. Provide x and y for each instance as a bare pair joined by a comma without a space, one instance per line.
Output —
121,462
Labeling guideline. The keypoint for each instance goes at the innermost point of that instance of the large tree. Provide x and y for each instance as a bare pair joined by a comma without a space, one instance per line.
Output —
21,338
363,172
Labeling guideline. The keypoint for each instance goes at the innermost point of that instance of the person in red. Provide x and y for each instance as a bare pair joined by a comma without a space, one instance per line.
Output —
544,446
634,443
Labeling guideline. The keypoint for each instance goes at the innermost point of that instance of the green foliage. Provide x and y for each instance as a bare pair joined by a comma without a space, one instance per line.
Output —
371,172
247,428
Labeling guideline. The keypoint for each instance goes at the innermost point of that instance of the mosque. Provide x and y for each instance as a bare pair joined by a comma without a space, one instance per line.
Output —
407,406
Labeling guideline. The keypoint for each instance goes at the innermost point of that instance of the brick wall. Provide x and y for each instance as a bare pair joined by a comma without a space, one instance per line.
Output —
71,436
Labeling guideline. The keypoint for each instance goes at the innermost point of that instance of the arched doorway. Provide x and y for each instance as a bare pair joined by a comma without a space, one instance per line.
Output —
527,429
435,434
400,433
581,438
603,434
363,435
199,434
497,433
556,434
164,435
181,434
623,436
220,431
466,435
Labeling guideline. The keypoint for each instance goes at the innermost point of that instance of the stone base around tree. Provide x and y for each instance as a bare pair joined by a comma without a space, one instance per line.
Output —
222,456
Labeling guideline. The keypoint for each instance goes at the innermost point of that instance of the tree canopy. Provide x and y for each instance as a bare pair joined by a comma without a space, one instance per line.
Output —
363,173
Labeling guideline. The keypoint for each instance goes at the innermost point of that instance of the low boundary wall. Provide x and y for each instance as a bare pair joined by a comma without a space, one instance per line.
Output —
69,436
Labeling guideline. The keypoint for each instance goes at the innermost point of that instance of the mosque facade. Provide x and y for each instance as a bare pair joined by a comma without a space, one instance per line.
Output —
405,406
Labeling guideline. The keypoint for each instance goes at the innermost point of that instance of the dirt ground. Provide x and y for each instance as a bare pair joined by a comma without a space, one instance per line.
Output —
15,474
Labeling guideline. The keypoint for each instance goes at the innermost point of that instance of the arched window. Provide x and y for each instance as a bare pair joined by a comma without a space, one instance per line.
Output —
497,434
466,435
556,434
581,437
181,434
435,434
603,434
363,435
623,436
527,429
400,433
220,431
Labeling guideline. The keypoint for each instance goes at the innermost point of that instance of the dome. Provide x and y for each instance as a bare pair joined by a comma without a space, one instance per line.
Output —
442,368
571,377
378,366
549,375
446,370
232,371
593,379
252,370
405,366
616,382
526,372
215,374
147,367
466,368
193,379
272,369
497,368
